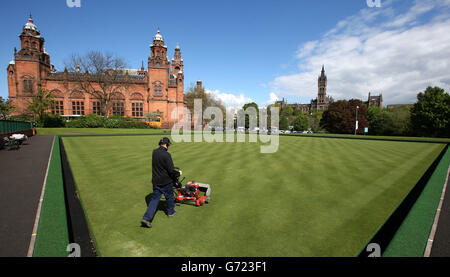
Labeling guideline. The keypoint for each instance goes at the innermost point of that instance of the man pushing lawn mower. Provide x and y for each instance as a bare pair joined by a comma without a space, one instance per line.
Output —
164,175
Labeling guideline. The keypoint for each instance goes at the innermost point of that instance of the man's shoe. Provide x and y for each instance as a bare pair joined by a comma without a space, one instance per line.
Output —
146,224
174,213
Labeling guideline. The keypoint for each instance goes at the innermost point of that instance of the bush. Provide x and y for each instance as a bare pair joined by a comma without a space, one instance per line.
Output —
50,121
113,122
93,121
96,121
301,123
22,118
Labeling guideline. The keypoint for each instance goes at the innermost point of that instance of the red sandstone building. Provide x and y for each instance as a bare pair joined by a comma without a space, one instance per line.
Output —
160,88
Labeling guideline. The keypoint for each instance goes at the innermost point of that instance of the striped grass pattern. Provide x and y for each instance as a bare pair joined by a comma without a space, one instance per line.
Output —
314,197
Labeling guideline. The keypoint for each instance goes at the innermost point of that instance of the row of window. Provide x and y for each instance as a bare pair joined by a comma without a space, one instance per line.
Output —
28,87
118,108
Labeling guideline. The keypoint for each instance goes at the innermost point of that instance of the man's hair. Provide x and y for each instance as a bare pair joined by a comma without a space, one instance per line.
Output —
165,141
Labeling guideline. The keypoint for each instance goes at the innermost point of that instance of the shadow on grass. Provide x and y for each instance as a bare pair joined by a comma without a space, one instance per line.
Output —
161,205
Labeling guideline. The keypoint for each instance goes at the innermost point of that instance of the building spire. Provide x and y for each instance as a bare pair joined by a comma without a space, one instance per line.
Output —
322,74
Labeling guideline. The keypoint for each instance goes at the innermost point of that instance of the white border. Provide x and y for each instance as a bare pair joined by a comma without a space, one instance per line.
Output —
436,219
38,213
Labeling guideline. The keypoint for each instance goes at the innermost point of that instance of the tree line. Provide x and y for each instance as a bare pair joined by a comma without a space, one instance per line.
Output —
428,117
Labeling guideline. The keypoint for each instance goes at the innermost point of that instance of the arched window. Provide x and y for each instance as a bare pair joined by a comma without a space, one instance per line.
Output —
137,109
27,85
158,91
77,107
95,102
77,101
96,108
118,108
118,104
58,102
137,104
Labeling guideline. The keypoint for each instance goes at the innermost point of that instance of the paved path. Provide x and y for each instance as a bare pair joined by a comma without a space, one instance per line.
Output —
22,174
441,243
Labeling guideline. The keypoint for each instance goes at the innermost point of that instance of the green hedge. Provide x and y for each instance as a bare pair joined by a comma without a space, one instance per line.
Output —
96,121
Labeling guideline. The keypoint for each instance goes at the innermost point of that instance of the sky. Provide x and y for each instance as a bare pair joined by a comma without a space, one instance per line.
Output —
256,51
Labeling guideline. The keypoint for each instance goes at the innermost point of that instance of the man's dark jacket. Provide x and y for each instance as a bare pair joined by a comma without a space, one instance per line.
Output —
163,171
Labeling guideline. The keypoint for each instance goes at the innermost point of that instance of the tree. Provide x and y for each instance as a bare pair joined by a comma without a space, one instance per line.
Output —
287,111
341,116
389,122
254,105
314,121
401,120
430,116
284,123
6,108
380,121
269,112
301,123
100,75
208,100
41,102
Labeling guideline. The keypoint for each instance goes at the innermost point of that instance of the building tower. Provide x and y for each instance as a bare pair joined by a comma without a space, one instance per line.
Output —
199,84
31,65
322,94
158,68
177,61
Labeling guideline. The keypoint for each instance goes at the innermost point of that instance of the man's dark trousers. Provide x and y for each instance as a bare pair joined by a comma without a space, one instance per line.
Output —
158,191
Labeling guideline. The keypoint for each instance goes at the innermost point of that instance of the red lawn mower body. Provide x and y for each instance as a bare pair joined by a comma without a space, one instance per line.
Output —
191,192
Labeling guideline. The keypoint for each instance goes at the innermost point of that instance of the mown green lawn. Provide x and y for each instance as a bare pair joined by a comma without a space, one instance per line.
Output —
314,197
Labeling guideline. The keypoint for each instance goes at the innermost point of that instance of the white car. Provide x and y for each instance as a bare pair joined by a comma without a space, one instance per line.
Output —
241,129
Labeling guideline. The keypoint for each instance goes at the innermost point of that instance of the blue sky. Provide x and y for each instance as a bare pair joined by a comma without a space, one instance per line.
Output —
255,50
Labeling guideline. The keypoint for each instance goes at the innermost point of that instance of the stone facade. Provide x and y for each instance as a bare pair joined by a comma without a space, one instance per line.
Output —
374,100
160,88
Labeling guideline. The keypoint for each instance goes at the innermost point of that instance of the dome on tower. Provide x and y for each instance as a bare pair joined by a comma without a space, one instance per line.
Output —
158,36
30,25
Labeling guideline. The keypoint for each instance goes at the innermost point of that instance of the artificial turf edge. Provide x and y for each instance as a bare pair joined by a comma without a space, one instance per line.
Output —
412,236
53,235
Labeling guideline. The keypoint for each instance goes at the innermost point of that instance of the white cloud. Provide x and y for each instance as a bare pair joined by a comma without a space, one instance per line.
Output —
230,100
273,98
233,102
378,50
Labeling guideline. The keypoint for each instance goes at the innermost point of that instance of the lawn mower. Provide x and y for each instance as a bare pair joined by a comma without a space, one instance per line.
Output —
191,192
